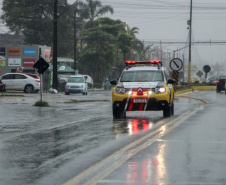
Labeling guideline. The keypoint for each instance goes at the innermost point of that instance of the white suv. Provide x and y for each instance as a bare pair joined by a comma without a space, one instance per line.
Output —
76,84
20,81
143,86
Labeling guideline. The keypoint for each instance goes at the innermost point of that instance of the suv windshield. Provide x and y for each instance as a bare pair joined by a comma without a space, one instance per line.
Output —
76,80
142,76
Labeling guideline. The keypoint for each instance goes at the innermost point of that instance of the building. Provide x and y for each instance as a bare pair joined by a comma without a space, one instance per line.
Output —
21,55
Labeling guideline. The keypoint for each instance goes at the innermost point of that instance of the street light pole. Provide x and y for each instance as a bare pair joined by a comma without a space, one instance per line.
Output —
55,17
190,34
75,41
55,78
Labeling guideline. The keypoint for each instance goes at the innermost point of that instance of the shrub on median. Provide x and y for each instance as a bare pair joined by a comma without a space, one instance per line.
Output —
41,104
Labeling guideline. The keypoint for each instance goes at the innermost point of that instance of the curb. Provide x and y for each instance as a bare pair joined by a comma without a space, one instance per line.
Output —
196,88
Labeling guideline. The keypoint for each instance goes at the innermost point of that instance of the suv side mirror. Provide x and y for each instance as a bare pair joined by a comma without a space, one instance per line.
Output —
113,82
171,81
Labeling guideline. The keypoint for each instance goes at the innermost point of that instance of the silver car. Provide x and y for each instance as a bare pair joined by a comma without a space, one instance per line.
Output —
76,84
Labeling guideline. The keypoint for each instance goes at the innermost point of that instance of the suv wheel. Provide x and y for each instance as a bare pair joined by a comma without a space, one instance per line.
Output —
29,88
167,111
172,109
67,93
118,113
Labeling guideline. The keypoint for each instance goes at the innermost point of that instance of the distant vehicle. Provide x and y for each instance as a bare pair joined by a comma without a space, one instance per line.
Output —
76,84
213,79
20,81
2,86
107,85
221,84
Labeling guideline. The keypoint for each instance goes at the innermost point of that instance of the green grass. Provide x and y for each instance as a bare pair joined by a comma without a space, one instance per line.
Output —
41,104
182,89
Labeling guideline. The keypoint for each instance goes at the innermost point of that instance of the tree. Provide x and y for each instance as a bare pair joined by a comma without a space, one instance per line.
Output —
100,54
92,10
132,31
35,20
218,68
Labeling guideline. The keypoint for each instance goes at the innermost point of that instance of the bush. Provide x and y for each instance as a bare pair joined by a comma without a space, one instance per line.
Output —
41,104
97,85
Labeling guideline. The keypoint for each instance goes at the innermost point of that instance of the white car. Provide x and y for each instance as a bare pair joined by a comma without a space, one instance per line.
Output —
76,84
20,81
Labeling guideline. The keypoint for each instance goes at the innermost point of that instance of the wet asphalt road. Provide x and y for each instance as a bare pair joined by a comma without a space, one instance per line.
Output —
54,145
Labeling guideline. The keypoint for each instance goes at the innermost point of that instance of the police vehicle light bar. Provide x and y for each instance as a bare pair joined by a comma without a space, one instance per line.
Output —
129,62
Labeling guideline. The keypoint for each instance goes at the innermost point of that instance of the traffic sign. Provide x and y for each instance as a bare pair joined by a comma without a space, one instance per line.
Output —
199,73
176,64
206,68
41,65
175,76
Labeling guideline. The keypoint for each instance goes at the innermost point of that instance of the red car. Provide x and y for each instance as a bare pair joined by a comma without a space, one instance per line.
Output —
2,86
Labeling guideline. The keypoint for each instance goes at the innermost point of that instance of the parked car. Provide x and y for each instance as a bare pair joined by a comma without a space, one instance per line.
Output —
76,84
107,85
20,81
32,75
2,86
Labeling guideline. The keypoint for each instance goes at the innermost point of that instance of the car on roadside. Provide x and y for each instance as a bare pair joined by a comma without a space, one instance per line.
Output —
76,84
143,86
2,86
213,79
32,75
221,84
20,81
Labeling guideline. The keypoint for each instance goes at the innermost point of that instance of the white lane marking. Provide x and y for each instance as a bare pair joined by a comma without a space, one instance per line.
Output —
133,152
96,167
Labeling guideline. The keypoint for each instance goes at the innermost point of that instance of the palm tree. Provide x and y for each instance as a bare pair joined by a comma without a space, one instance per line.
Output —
136,44
132,31
93,9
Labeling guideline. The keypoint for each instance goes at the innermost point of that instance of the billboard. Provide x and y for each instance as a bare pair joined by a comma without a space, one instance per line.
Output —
47,55
28,62
2,51
29,51
13,62
14,51
2,61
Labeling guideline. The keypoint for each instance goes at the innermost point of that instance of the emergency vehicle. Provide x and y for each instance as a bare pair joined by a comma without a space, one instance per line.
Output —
143,86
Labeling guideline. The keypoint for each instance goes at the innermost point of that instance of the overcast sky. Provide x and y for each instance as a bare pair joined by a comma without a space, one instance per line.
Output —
166,20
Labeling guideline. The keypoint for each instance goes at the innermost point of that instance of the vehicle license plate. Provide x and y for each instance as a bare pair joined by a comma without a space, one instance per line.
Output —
139,101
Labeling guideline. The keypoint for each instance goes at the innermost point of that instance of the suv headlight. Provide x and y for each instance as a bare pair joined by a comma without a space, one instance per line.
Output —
120,89
160,90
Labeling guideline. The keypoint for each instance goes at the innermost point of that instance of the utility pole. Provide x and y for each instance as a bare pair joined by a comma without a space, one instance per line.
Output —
75,40
55,78
190,33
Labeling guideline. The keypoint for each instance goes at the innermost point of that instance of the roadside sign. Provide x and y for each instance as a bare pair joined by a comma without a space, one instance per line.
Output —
206,68
176,64
199,73
41,65
175,76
